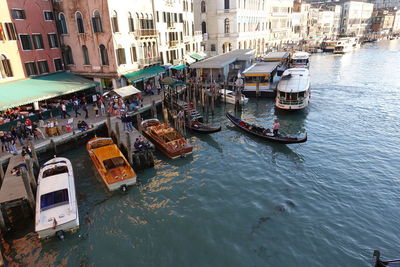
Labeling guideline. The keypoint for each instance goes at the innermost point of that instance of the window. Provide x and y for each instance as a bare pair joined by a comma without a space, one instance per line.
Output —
203,27
85,52
26,42
113,163
11,33
121,56
203,6
96,21
226,4
48,15
18,14
58,65
2,34
37,41
53,41
54,170
226,25
103,55
212,47
69,60
114,21
54,199
43,66
5,67
133,54
62,24
31,69
131,22
79,22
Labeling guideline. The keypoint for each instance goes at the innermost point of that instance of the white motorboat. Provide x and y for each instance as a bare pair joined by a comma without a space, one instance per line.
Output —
230,97
56,205
300,60
293,89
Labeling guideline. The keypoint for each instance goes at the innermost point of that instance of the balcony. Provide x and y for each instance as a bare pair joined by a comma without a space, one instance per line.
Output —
149,61
146,33
173,43
171,25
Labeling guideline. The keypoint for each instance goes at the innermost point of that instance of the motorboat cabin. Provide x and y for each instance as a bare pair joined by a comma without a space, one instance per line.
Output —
300,60
258,79
56,205
229,96
293,89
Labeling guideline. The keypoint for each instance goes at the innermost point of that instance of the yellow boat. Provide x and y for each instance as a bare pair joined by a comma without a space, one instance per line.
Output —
111,164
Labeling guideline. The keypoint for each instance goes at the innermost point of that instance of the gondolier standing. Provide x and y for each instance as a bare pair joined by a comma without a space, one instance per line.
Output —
275,127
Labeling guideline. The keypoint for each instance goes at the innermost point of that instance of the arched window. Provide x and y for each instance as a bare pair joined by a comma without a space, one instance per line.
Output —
69,60
79,22
85,55
62,24
131,22
96,21
5,67
103,55
203,6
133,54
114,20
203,27
226,25
226,4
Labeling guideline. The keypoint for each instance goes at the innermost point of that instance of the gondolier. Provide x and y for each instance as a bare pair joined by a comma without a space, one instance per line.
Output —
276,127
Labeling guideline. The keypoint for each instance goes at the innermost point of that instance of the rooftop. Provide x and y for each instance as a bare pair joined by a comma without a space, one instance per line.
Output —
223,60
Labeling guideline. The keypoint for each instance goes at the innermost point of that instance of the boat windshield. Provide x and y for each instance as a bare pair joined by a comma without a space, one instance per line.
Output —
54,199
54,171
255,79
114,163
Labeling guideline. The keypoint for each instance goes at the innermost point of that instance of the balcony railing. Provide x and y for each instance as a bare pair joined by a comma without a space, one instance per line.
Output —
146,33
171,24
149,61
173,43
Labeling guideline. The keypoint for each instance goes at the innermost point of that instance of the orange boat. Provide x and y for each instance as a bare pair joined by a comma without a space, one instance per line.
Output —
111,164
166,138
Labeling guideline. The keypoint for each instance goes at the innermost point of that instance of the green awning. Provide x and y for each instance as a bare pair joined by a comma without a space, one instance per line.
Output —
171,81
179,67
143,74
40,88
197,56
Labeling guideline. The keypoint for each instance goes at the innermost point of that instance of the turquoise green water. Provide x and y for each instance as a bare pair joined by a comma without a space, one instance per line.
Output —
240,201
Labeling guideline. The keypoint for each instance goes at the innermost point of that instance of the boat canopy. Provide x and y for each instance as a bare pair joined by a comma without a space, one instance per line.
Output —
127,91
294,80
276,56
261,69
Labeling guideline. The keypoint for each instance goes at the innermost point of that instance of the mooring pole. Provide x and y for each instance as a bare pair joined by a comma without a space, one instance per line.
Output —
27,184
34,155
129,148
53,146
29,168
109,124
118,136
1,174
2,222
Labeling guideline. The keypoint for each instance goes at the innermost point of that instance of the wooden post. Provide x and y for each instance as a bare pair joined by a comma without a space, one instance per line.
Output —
34,155
2,222
27,184
154,109
31,176
109,124
53,146
129,148
138,122
118,136
1,174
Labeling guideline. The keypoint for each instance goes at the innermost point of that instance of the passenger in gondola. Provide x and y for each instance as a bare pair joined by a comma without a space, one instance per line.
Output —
276,127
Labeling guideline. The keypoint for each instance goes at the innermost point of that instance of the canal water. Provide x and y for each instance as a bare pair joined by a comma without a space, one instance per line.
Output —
241,201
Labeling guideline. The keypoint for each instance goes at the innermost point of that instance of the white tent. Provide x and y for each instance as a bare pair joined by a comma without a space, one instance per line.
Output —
127,91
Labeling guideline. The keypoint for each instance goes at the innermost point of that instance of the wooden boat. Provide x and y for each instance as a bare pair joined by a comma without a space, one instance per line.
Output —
264,133
387,263
166,138
111,164
56,205
199,127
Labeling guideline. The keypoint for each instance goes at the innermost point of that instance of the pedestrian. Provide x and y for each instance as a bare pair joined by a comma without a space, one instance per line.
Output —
96,109
64,111
124,121
3,142
276,127
102,107
76,109
84,108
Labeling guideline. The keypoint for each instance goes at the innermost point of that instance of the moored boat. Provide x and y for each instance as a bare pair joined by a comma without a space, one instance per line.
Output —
329,45
264,133
377,262
229,96
111,164
300,60
166,138
200,127
293,89
56,205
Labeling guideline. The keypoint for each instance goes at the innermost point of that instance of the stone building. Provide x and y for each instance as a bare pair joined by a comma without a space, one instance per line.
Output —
356,18
382,21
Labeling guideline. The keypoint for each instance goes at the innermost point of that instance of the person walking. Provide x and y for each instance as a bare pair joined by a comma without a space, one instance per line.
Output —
64,111
84,108
275,127
76,108
102,107
96,109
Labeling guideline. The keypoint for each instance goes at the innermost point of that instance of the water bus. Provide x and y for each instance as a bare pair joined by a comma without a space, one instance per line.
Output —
111,164
56,205
300,60
258,79
166,139
293,89
282,57
329,45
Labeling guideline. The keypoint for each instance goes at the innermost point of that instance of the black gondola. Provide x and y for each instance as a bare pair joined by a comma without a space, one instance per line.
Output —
199,127
264,133
380,263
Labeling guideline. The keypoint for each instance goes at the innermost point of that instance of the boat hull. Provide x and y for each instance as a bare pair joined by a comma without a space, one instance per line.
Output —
262,94
70,226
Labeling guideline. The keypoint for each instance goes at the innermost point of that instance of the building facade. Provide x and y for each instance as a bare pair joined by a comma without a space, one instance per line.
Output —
300,15
39,47
382,21
396,22
227,25
356,18
280,22
10,61
386,3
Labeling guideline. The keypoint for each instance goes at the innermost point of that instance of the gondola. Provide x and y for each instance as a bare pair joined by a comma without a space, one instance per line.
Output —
380,263
264,133
199,127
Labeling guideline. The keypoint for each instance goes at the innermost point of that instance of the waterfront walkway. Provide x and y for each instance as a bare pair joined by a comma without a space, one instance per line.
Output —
91,121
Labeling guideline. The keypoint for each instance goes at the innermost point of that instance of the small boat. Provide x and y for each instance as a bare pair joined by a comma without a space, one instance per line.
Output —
387,263
329,45
166,138
263,132
111,164
293,89
300,60
56,205
229,96
199,127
